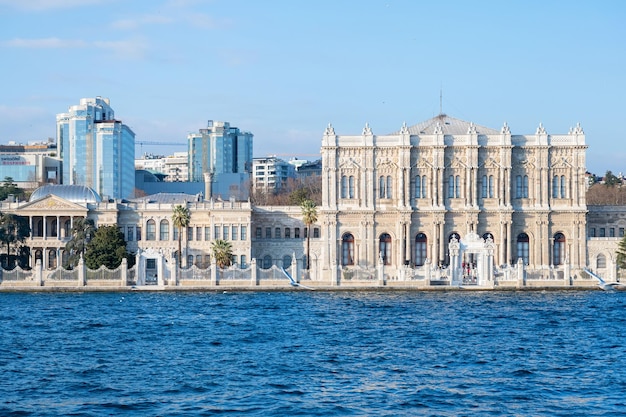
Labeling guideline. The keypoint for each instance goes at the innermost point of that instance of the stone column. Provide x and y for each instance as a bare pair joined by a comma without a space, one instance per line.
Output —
124,272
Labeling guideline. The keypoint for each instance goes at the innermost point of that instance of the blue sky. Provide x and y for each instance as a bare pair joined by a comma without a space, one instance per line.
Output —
285,69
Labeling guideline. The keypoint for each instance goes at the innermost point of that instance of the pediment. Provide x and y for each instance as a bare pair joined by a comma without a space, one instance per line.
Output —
52,203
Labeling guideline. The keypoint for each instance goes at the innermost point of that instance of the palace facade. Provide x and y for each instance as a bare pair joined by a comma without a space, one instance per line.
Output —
444,200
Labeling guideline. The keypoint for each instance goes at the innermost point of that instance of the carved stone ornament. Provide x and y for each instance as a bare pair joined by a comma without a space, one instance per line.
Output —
330,130
367,131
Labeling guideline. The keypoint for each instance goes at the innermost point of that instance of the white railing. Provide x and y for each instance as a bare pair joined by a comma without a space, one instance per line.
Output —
234,273
195,273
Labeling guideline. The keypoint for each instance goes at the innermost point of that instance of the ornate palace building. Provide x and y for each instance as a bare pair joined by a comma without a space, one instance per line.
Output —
401,198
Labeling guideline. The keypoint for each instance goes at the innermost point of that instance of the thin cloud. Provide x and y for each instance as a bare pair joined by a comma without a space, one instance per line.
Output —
42,5
129,49
152,19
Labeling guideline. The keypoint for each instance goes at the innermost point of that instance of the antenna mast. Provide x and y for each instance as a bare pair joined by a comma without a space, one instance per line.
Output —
441,101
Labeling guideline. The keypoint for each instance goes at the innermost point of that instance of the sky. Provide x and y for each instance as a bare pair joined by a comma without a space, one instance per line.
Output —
285,69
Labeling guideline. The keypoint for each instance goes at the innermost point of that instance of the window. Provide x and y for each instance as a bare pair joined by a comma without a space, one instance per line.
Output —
225,232
198,261
198,233
277,233
347,249
381,187
420,186
52,259
129,233
151,230
420,249
268,232
521,186
488,236
389,186
351,187
384,248
612,232
138,233
258,233
164,230
592,232
216,232
287,233
555,186
454,186
491,186
190,233
522,247
559,249
621,232
316,233
267,262
563,189
233,232
296,233
189,261
207,233
484,186
601,262
602,232
244,232
344,186
286,261
175,233
243,261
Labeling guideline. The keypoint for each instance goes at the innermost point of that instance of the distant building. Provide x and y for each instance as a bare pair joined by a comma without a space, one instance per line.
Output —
271,173
174,168
96,150
30,166
309,170
219,149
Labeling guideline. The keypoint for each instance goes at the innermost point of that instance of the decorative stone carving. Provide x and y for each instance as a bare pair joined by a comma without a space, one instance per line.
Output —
330,131
367,131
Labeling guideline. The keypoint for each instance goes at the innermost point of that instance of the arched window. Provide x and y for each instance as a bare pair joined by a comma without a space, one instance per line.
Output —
555,186
286,261
381,187
563,188
52,259
451,186
267,262
389,186
491,186
347,249
384,248
601,262
418,187
454,235
68,228
351,187
484,186
525,187
344,186
522,247
518,186
164,230
559,249
421,243
424,189
189,260
457,186
488,236
150,230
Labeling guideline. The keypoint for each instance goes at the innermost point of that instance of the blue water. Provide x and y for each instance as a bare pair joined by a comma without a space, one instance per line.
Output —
559,353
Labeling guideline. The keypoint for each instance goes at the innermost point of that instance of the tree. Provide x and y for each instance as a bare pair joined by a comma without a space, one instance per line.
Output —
14,230
82,232
9,188
107,248
181,218
309,216
621,253
610,180
222,252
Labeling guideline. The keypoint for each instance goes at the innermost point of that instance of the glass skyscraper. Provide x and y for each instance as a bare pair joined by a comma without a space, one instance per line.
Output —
96,150
219,149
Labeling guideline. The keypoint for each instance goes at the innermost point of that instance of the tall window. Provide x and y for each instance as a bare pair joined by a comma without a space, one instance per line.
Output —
454,186
521,186
601,262
243,262
555,186
559,249
389,186
344,186
267,262
384,248
244,232
420,249
164,230
286,261
381,187
287,233
484,187
420,186
522,247
351,187
563,188
491,186
225,232
277,233
347,249
233,232
488,236
151,230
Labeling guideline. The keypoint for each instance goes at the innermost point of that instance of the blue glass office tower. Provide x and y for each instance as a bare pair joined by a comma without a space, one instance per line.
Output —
96,150
219,149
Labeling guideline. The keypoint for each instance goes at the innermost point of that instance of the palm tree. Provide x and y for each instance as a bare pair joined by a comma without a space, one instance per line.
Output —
309,216
621,253
82,231
222,252
13,230
181,218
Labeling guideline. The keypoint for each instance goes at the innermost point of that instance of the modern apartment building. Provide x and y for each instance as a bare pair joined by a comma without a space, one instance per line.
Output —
219,149
96,150
271,173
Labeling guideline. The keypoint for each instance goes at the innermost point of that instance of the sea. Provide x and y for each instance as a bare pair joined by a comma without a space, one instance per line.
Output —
313,353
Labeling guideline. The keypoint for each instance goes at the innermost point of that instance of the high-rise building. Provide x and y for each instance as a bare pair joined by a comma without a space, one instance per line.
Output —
97,150
219,149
